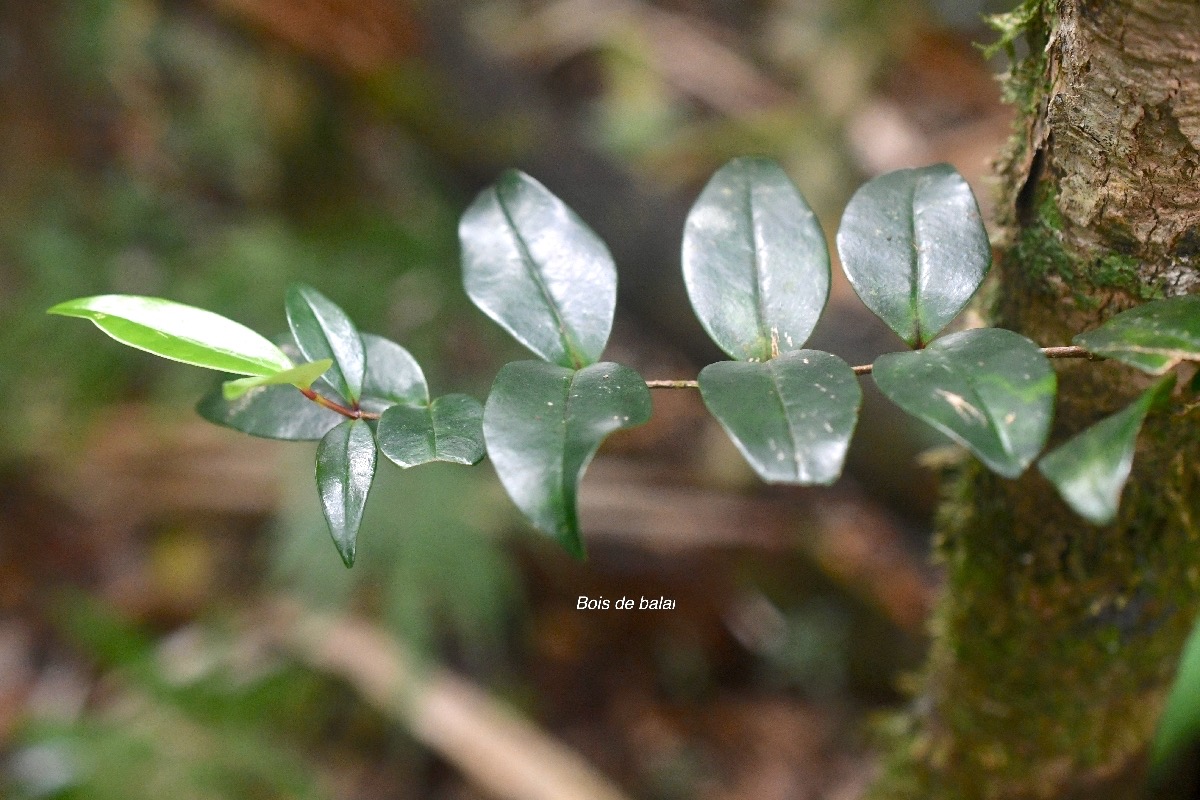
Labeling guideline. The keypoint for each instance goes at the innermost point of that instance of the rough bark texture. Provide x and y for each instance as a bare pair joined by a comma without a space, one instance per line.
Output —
1056,641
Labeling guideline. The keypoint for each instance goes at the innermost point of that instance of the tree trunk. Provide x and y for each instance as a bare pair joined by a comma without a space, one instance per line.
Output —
1056,641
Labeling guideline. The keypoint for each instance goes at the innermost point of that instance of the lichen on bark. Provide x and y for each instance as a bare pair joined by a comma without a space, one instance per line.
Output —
1056,641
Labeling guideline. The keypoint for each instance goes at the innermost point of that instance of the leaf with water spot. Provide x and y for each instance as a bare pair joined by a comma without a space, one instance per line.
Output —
534,267
913,245
791,417
543,423
755,261
1090,469
1153,337
989,389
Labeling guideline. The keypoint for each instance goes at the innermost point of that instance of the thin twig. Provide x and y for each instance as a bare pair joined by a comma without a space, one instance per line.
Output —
352,413
1064,351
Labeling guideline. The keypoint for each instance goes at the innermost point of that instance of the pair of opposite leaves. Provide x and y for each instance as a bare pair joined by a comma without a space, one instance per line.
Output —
360,373
757,272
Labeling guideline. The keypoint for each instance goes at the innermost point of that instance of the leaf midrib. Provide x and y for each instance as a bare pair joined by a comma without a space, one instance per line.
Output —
757,275
572,349
778,395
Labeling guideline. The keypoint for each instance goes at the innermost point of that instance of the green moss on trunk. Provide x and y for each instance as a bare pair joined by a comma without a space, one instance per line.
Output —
1056,641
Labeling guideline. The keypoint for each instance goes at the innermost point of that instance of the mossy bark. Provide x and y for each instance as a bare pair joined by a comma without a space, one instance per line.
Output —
1056,641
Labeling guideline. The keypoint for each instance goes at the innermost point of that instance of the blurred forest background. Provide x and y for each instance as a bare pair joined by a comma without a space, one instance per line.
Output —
174,620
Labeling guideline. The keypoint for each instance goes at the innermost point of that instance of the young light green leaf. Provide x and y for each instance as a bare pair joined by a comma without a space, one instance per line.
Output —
791,417
755,261
393,375
322,330
301,376
534,267
543,423
448,429
179,332
1090,469
1153,337
270,412
913,245
345,469
989,389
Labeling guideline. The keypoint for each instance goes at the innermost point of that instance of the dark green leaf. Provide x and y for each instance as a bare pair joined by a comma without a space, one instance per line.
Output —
322,330
345,469
179,332
913,244
1153,337
1090,469
792,417
534,267
1179,727
755,261
990,389
543,423
449,429
300,376
393,375
272,412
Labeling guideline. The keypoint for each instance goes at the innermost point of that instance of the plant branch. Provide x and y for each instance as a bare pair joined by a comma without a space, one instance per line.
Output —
1064,351
351,413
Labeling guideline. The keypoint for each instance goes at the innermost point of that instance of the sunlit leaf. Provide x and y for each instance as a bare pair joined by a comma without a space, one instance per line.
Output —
1153,337
448,429
990,389
322,330
301,376
755,261
1090,469
543,423
913,245
791,417
345,469
534,267
179,332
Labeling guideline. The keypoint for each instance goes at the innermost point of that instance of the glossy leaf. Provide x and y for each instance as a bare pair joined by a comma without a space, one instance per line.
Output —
301,376
392,375
322,330
1090,469
990,389
543,423
534,267
179,332
270,412
448,429
791,417
1153,337
755,261
913,245
345,469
